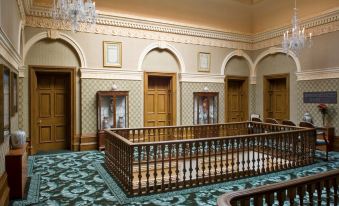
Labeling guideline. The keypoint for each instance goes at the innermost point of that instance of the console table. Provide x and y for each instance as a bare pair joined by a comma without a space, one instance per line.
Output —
16,167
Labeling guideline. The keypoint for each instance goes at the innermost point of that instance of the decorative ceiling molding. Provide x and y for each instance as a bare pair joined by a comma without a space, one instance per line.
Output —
327,73
140,28
22,11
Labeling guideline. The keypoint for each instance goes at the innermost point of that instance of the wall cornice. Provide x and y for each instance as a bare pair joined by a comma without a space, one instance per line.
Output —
106,73
325,22
22,11
205,78
8,51
328,73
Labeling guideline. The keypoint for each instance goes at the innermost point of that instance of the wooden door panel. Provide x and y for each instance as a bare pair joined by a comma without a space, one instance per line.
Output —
236,104
150,106
59,133
45,102
277,103
45,134
162,104
157,105
59,105
52,110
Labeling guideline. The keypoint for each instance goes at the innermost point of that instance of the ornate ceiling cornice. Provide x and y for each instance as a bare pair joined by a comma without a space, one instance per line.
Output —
147,29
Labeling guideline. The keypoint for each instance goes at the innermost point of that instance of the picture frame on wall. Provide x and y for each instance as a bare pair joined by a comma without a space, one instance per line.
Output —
112,54
5,102
204,62
14,93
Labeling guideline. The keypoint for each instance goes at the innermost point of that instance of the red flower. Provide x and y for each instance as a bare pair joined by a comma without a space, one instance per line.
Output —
323,108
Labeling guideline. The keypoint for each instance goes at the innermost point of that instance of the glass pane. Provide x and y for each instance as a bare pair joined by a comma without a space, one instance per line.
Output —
195,106
106,112
6,100
203,108
121,111
215,111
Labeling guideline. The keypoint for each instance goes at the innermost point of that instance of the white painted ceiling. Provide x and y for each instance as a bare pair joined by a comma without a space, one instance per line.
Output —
245,16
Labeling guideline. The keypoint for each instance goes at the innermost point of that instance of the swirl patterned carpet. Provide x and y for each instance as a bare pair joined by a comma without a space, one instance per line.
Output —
79,178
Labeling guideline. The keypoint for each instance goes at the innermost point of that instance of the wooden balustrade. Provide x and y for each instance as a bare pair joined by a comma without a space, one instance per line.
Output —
311,190
158,159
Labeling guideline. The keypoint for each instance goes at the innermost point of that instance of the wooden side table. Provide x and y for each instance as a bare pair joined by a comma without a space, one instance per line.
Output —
16,167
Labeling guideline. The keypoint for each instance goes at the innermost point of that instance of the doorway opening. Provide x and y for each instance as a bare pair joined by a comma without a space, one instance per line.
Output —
276,97
236,95
159,99
52,108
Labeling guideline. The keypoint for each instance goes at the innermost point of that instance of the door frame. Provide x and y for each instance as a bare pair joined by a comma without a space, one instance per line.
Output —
246,87
266,84
173,82
71,71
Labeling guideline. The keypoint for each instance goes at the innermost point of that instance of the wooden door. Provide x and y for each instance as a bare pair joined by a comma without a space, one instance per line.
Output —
51,111
158,102
277,98
237,105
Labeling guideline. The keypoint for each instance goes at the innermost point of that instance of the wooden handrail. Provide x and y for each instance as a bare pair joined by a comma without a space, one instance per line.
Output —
286,190
157,159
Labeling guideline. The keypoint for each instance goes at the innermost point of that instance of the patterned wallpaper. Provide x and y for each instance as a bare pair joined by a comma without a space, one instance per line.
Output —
21,103
252,100
332,118
4,147
187,89
89,87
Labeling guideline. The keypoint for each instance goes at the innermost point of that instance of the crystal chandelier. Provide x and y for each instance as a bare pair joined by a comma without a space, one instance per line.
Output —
75,11
296,40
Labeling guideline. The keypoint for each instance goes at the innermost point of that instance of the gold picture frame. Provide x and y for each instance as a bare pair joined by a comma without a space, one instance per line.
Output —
112,54
204,62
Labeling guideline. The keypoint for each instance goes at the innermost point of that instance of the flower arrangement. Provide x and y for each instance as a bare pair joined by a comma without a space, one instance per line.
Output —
323,110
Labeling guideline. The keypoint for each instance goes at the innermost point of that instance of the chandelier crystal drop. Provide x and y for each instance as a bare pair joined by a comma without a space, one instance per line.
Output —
75,11
296,40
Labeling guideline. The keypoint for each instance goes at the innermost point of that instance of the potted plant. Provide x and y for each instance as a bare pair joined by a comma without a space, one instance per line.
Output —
323,110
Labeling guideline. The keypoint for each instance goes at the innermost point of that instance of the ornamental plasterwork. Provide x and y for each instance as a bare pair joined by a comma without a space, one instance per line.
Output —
136,33
136,28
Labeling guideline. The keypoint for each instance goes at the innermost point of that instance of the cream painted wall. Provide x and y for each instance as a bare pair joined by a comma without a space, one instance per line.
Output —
277,64
323,54
51,53
160,61
132,49
237,66
10,21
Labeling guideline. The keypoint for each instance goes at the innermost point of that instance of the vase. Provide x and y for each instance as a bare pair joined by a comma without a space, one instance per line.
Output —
18,139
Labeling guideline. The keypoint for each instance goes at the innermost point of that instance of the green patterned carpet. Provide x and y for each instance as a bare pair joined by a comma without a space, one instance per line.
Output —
79,178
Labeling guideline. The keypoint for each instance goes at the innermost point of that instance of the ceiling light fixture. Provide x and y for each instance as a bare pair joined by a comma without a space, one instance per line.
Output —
75,11
296,40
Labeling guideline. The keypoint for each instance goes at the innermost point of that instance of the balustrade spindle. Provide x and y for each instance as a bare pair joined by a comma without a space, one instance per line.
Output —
177,166
191,168
139,169
170,166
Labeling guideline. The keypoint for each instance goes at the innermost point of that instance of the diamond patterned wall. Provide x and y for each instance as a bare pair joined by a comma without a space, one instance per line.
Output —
252,102
89,87
187,89
332,118
21,103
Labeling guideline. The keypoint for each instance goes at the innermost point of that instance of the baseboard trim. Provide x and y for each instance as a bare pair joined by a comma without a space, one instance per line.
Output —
4,190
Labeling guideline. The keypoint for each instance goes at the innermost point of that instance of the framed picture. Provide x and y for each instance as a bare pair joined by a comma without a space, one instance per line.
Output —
4,102
112,54
14,93
204,62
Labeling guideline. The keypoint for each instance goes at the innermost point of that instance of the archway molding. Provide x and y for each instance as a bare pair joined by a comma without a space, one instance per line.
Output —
239,53
163,46
53,34
274,50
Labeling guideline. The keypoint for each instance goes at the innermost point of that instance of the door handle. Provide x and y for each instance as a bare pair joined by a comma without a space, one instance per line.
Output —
39,122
